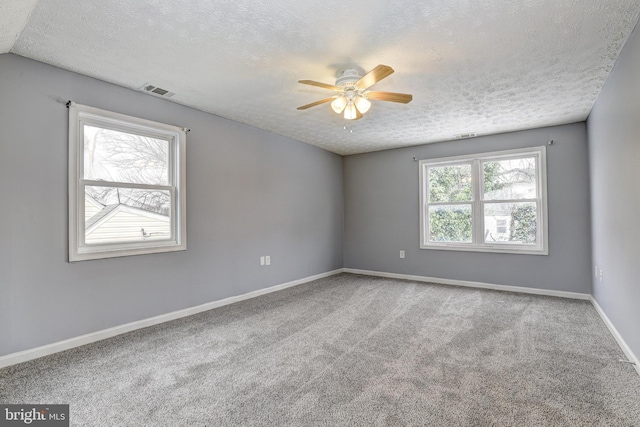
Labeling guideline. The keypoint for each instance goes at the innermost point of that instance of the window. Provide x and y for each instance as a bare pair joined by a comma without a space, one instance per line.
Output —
491,202
126,185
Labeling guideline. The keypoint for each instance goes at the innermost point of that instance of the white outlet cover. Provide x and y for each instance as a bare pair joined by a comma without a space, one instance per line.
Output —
268,260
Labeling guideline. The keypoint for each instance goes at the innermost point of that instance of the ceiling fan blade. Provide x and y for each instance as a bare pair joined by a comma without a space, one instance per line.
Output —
313,104
318,84
374,76
390,96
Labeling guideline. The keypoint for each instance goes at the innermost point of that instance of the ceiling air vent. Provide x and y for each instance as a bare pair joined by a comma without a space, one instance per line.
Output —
466,135
157,91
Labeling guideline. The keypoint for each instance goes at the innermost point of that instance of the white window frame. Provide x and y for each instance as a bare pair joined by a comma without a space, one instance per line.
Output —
477,243
80,115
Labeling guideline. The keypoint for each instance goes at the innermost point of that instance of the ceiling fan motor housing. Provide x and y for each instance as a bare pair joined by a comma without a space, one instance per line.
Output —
349,77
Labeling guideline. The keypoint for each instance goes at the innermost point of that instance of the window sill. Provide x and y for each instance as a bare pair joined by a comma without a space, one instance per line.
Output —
86,255
489,249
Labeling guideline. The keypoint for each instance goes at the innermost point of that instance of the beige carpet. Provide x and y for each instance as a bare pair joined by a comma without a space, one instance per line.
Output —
350,350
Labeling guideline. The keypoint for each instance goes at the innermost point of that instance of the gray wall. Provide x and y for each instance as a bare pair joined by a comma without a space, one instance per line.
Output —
249,193
614,152
382,214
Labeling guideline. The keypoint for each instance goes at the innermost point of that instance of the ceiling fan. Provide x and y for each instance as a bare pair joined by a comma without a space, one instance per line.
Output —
352,99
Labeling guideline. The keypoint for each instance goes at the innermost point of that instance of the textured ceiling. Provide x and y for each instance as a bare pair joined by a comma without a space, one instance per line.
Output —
472,66
13,17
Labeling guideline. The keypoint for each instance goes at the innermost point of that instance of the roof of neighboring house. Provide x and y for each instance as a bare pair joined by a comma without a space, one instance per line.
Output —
106,210
93,201
110,210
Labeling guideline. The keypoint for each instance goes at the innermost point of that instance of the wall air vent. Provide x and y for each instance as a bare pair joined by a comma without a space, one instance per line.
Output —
157,91
466,135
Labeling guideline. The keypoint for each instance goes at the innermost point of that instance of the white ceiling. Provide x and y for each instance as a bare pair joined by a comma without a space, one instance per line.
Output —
486,66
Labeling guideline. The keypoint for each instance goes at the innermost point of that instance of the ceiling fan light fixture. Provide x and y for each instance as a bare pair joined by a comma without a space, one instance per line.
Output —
362,104
339,104
353,96
350,111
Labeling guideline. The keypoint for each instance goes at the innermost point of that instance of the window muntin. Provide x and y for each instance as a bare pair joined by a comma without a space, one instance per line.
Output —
501,226
126,185
493,202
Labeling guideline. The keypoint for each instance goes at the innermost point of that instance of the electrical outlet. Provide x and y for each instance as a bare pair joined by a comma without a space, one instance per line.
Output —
267,260
601,275
401,254
261,260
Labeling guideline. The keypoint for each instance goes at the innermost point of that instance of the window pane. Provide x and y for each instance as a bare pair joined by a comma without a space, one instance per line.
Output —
126,215
450,223
111,155
510,223
450,183
510,179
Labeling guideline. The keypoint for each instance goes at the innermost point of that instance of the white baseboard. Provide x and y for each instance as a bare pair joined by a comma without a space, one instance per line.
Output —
631,357
535,291
35,353
45,350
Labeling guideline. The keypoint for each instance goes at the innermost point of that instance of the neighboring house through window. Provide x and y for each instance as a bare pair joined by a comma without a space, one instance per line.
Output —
126,185
490,202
